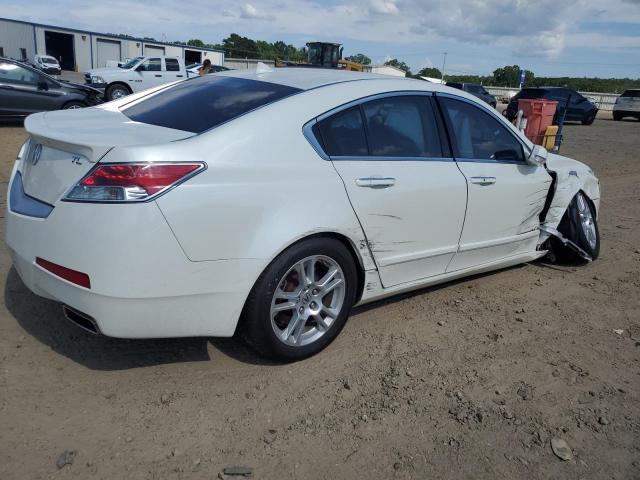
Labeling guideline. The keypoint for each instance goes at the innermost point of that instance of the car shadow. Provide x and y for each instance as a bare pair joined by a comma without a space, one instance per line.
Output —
43,319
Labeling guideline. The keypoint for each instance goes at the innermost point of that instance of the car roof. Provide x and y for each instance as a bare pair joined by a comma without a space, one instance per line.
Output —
306,78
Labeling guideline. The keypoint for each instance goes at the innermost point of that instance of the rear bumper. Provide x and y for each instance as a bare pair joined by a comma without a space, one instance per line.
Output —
142,284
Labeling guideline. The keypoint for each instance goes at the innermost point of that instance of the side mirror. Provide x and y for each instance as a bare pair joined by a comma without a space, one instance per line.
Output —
42,85
140,68
538,156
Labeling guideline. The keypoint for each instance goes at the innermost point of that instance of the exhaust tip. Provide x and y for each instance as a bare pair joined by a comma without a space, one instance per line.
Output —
81,320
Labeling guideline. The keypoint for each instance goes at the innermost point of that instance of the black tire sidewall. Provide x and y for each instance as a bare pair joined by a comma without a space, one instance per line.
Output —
257,329
111,88
68,105
571,227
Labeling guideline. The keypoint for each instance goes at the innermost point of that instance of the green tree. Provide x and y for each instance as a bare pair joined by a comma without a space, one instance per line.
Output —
394,62
236,46
359,58
431,72
509,76
196,43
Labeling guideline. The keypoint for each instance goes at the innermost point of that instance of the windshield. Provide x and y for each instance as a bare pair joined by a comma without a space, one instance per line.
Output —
475,89
201,103
131,62
49,60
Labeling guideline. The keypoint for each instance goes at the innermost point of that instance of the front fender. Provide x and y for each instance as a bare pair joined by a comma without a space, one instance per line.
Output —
571,177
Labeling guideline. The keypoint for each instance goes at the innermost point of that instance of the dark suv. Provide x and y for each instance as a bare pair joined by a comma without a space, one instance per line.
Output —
578,108
25,90
476,90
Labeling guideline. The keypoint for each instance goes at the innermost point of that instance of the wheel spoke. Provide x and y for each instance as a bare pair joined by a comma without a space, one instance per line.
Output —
298,329
283,307
330,275
282,295
322,323
330,286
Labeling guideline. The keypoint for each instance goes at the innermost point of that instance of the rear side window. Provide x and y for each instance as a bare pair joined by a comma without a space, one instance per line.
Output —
343,133
401,127
631,94
172,64
201,103
530,93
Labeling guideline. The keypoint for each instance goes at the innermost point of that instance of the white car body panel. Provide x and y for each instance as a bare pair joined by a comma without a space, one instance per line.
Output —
502,217
414,226
183,264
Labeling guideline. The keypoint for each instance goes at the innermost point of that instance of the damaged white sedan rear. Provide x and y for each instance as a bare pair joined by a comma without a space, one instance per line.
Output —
272,202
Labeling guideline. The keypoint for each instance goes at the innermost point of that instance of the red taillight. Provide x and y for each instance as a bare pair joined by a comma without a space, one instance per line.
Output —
130,181
72,276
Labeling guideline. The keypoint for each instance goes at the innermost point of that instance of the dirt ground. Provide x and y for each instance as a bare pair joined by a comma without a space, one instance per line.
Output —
467,380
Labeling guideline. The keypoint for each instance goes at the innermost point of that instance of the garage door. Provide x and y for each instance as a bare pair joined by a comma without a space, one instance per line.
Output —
153,50
108,50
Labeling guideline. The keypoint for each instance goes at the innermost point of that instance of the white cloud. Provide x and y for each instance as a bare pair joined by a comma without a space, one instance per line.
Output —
251,12
384,6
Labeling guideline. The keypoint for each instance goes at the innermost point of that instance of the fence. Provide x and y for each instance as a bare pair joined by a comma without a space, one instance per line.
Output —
245,63
604,101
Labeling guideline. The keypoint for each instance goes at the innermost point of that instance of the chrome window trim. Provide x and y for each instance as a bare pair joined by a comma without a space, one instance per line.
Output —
526,151
307,130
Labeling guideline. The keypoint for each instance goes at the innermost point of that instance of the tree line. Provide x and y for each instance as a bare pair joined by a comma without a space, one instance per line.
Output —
237,46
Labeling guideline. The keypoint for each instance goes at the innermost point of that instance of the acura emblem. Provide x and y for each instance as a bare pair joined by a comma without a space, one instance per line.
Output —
37,151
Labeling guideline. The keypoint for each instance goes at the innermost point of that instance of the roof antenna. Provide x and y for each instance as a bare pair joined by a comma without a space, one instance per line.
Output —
263,68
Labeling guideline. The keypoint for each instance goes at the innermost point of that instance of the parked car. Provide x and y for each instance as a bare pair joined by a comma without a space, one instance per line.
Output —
25,90
136,75
475,90
627,105
192,70
578,108
202,221
47,64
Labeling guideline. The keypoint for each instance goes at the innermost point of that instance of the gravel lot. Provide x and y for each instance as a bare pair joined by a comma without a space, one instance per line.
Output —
467,380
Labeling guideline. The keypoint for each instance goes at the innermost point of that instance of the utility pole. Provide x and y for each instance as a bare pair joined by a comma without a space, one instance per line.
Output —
444,60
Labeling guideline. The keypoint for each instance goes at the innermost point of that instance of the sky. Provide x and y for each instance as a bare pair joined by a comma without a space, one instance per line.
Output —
549,37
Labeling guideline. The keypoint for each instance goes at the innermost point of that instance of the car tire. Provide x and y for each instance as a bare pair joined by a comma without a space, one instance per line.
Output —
280,318
73,105
590,119
579,224
617,117
116,91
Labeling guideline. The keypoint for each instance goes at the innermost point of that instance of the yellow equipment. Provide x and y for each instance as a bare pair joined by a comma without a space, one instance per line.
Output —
323,55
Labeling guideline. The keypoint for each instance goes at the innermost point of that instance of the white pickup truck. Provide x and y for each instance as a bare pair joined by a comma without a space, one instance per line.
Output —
137,74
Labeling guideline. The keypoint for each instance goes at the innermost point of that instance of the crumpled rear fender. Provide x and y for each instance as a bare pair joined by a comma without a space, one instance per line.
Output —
571,178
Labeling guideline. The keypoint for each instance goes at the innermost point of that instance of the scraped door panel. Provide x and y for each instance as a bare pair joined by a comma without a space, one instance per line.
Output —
412,226
503,216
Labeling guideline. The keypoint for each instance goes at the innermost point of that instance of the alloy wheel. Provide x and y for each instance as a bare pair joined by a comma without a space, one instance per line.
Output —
586,221
308,300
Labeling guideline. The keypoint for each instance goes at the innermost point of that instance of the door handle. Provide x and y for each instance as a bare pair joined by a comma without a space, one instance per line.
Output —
159,76
375,182
483,180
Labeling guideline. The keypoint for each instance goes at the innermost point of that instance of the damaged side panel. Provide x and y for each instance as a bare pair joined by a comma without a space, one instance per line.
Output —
571,177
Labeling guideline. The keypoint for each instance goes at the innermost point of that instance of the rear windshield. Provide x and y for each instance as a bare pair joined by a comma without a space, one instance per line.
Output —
198,104
631,93
531,93
475,88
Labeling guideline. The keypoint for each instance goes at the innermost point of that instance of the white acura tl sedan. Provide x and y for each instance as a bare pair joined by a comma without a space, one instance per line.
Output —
272,202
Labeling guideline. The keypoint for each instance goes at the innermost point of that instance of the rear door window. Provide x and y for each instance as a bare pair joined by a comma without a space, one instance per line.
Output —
202,103
631,94
401,126
15,74
343,134
172,64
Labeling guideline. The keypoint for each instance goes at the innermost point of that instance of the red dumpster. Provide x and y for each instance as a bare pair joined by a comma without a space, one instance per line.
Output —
539,115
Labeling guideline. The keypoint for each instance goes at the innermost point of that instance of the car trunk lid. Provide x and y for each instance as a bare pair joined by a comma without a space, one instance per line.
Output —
64,146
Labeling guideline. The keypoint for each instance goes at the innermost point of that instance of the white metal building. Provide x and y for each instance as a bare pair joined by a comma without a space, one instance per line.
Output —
80,50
